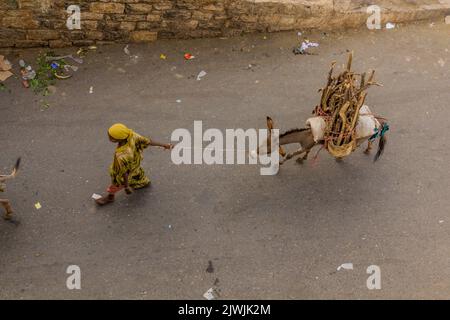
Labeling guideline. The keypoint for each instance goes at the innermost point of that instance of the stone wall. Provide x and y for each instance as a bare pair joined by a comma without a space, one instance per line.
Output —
30,23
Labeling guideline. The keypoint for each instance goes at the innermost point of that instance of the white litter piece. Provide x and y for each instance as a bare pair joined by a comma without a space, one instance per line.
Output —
128,53
37,205
91,90
96,196
345,266
441,221
178,101
441,62
126,50
390,25
299,34
305,46
210,294
201,75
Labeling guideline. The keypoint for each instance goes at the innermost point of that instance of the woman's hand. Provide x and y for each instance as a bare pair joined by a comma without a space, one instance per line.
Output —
168,146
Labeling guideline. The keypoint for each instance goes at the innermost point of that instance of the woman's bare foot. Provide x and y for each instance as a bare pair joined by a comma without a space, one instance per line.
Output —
105,200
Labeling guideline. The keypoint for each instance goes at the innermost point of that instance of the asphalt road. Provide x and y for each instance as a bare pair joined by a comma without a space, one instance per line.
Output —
267,237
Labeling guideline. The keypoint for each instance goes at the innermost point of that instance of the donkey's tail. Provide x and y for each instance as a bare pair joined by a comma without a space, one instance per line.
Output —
13,173
382,141
16,167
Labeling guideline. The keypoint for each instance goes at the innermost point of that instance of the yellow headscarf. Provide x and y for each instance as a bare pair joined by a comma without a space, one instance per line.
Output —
119,131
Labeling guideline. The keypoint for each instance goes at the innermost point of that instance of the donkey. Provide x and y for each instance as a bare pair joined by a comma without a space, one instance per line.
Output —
305,138
5,202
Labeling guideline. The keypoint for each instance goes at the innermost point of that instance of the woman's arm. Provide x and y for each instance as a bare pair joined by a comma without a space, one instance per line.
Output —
163,145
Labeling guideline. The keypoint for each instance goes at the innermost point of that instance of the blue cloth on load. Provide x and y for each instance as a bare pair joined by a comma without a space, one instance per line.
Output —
379,133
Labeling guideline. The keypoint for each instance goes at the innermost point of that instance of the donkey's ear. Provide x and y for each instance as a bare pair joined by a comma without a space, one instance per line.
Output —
269,123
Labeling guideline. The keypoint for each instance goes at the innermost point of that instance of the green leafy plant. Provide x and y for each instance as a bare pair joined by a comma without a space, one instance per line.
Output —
44,75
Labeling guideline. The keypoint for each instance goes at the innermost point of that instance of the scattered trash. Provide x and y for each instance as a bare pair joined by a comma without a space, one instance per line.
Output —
37,205
441,62
299,34
345,266
390,25
121,70
45,105
128,53
188,56
302,49
210,268
5,67
211,294
201,75
179,76
27,73
96,196
441,221
92,48
432,25
69,56
250,67
91,89
69,66
178,101
126,50
162,56
49,68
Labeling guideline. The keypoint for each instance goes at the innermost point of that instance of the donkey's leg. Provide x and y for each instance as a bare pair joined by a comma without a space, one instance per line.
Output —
296,153
305,157
369,147
291,155
8,209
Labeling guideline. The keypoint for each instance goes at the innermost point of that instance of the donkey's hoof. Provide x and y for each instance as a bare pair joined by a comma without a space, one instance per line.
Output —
300,160
339,159
367,151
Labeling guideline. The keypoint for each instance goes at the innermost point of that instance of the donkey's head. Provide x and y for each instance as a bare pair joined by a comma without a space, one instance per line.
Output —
266,147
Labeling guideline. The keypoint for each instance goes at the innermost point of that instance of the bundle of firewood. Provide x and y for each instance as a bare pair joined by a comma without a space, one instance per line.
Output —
341,100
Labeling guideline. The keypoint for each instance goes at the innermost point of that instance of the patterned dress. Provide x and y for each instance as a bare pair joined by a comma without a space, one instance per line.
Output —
127,158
